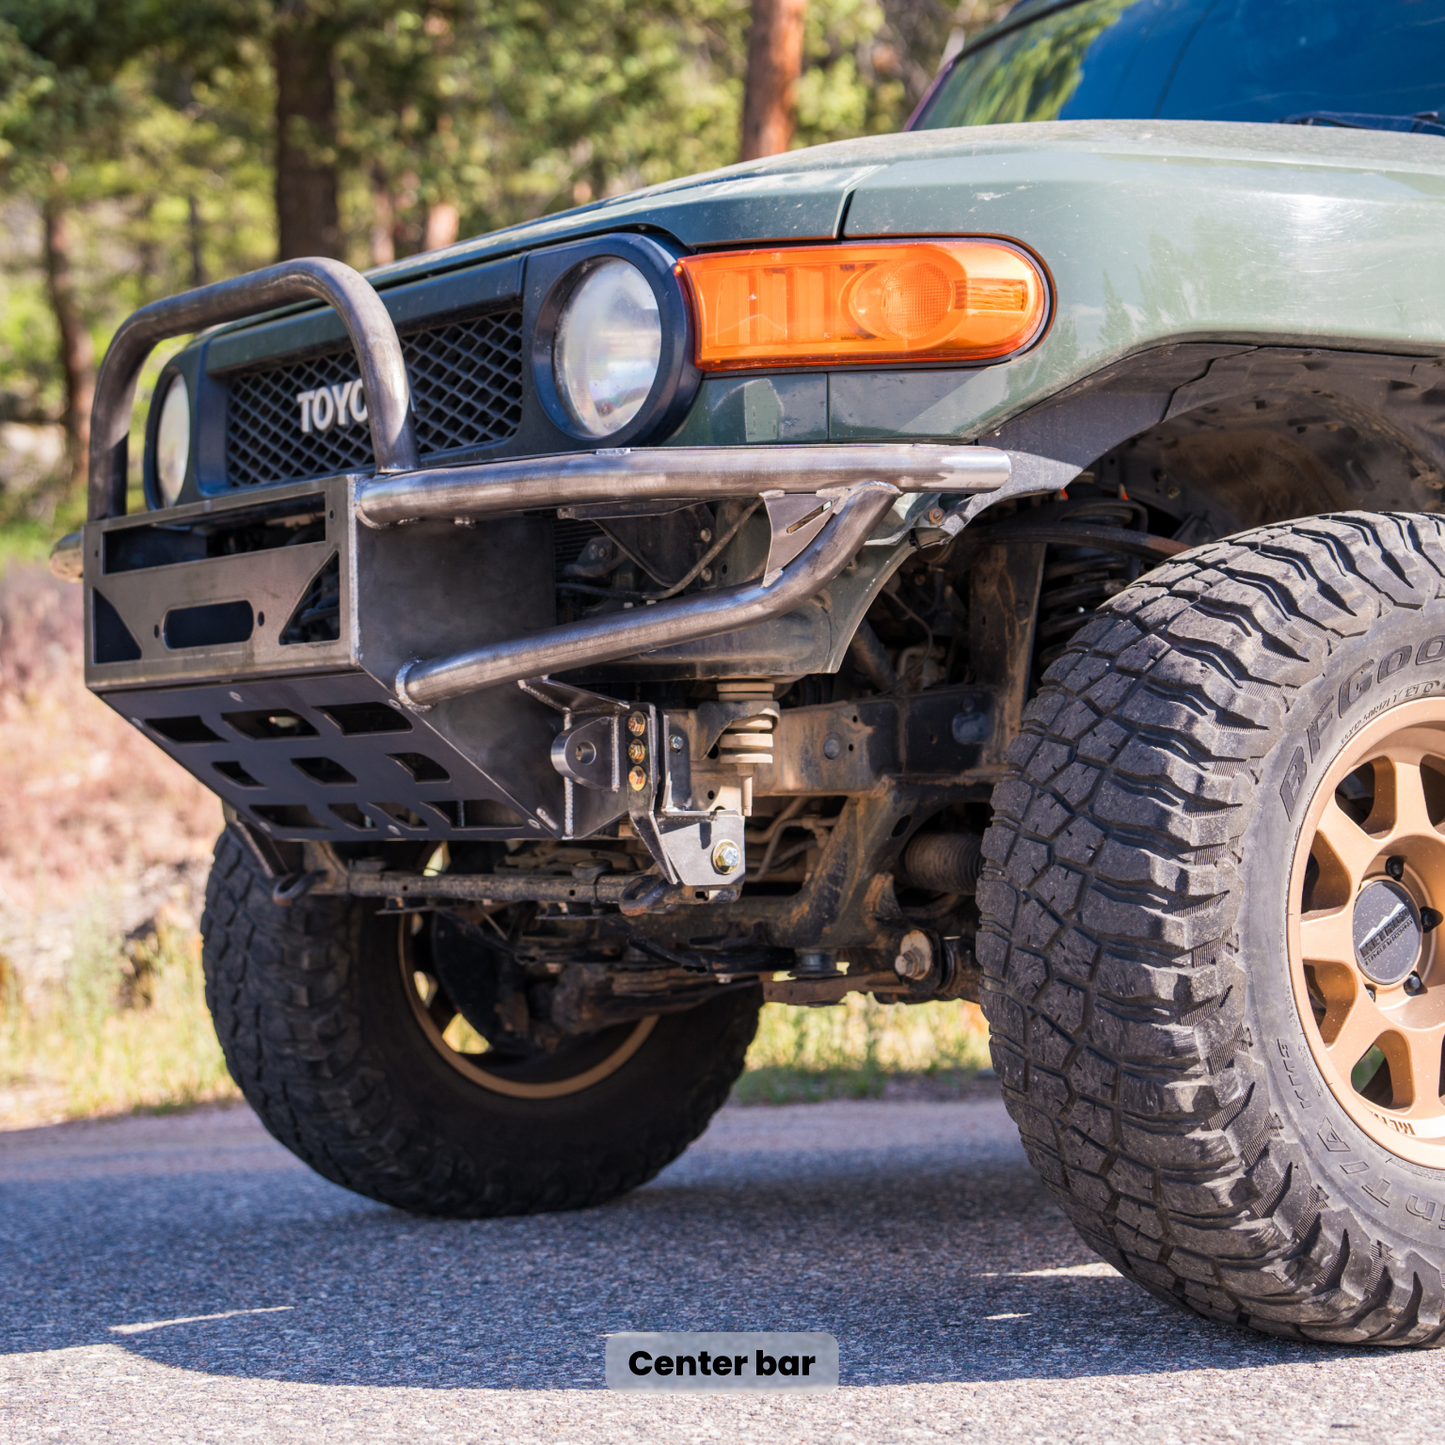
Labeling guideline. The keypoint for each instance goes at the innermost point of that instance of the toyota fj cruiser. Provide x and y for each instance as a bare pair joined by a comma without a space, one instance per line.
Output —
996,563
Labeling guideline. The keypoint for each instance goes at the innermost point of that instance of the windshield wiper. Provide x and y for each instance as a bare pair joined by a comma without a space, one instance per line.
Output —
1425,122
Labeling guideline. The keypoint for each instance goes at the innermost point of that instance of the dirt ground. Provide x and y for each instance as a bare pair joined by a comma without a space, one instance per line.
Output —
101,834
91,813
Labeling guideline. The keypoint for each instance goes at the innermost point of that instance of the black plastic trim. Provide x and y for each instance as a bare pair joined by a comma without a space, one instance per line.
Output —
186,365
553,276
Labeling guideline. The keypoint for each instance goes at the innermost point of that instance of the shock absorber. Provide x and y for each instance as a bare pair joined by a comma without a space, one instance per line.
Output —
747,742
1076,580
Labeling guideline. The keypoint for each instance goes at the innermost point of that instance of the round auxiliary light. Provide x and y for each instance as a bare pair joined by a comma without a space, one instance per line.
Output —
608,347
173,441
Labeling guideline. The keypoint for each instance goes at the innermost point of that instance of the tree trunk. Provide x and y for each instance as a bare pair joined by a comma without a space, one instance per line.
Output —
775,60
77,352
383,219
442,222
308,216
195,234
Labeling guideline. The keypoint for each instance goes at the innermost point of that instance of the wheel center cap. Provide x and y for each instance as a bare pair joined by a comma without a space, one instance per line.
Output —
1387,932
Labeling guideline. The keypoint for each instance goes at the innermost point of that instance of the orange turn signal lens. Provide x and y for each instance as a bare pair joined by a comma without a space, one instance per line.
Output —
888,301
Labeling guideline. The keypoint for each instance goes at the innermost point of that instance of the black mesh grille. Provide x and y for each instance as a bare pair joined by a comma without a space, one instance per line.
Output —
466,391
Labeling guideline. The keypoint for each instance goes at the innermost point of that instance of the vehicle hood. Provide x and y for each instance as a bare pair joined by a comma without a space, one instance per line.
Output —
803,195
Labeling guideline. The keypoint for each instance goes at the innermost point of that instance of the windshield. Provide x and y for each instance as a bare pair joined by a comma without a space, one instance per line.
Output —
1244,60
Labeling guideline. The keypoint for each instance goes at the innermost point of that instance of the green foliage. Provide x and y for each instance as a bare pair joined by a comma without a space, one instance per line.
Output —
509,111
29,373
127,1029
850,1051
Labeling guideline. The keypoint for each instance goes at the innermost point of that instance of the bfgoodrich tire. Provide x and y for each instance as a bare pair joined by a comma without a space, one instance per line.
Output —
344,1066
1210,960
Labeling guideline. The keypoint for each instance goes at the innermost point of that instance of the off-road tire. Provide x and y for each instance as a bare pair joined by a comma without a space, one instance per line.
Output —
309,1007
1133,942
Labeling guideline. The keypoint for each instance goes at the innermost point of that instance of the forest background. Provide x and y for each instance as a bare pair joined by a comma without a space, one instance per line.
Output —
147,146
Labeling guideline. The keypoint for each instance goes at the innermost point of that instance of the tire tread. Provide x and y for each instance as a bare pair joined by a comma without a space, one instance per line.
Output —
281,984
1111,981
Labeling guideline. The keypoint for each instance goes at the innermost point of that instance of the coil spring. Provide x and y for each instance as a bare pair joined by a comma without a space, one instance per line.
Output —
1077,580
747,742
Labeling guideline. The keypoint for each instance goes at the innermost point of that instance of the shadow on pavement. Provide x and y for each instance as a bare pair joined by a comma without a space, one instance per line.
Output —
916,1233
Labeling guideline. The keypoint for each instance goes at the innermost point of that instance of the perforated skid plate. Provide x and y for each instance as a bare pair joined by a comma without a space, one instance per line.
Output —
351,766
303,735
466,388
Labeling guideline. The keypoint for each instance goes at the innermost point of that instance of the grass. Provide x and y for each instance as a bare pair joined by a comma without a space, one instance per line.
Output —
127,1031
851,1051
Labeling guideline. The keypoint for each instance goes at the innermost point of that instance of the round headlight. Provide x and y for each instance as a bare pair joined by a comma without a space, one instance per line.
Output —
609,342
173,441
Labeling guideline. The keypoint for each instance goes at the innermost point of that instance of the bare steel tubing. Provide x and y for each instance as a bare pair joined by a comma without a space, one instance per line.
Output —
684,619
367,322
675,473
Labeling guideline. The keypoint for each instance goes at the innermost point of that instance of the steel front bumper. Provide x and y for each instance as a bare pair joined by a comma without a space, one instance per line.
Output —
403,717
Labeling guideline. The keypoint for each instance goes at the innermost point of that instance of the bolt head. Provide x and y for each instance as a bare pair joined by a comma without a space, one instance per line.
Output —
636,751
676,743
637,779
915,956
935,516
637,724
832,747
727,857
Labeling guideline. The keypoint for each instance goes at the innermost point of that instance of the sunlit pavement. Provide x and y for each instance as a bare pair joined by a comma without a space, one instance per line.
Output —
184,1278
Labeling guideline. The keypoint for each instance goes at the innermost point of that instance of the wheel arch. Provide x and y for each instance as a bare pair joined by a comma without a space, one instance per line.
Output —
1242,436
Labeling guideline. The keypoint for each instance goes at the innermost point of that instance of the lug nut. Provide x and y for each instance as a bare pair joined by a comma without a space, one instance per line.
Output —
637,724
637,779
636,751
1413,984
1370,989
727,857
1395,867
1430,919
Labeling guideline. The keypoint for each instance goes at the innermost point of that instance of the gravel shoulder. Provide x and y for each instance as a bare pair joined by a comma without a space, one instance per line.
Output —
182,1277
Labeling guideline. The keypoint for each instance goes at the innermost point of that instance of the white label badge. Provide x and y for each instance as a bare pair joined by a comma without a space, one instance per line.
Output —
721,1360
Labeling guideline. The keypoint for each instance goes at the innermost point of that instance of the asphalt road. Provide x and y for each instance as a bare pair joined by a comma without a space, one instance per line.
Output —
183,1278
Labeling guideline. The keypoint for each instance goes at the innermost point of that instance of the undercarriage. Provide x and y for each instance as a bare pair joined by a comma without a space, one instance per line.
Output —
642,831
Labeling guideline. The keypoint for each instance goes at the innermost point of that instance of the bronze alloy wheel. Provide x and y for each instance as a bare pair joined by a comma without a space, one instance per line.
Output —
578,1064
1366,895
